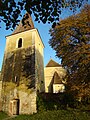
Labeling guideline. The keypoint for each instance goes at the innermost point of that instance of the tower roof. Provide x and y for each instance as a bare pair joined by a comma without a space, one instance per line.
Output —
25,24
52,63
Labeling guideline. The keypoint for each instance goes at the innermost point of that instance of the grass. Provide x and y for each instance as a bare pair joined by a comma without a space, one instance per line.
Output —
56,115
3,115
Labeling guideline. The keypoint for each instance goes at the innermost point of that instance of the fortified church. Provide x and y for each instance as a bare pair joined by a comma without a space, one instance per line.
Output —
23,73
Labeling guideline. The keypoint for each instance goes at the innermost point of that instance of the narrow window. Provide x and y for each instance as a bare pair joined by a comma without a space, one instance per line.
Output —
20,43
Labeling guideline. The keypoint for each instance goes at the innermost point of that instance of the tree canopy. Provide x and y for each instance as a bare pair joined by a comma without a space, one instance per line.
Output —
71,41
43,10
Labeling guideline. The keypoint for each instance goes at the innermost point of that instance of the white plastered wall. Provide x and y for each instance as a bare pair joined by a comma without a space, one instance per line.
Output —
49,72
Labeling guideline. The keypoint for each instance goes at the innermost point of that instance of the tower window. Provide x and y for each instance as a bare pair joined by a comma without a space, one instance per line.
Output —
20,43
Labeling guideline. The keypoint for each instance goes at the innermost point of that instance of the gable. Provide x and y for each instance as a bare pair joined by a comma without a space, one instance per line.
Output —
52,63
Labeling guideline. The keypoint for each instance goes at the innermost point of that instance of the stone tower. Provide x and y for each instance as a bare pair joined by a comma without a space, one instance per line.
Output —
23,69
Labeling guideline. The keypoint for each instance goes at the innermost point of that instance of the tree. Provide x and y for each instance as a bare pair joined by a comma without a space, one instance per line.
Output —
71,41
43,10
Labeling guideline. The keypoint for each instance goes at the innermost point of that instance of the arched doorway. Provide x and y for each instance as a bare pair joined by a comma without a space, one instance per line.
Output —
20,43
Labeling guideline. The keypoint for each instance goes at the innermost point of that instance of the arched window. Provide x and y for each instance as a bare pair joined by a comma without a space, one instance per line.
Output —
20,43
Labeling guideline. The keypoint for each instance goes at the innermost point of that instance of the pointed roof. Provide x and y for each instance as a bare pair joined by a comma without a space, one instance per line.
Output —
25,24
56,78
52,63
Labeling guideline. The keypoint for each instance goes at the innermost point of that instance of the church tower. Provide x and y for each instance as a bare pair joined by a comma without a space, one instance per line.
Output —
23,69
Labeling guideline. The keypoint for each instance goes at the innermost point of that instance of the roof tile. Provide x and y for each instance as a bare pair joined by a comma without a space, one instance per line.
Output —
52,63
25,24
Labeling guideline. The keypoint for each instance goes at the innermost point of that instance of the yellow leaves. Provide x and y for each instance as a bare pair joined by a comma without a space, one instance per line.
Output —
70,41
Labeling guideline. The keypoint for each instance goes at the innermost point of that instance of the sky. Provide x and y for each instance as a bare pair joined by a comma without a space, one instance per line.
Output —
43,29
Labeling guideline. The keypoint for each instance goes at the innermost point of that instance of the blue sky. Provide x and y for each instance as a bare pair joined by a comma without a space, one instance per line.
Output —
44,33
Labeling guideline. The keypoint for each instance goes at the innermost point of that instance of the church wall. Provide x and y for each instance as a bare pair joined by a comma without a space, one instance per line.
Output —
12,41
27,106
39,63
57,88
0,94
19,73
49,72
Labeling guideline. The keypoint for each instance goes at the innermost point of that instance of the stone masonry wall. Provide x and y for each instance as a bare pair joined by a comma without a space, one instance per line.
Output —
0,95
19,72
27,106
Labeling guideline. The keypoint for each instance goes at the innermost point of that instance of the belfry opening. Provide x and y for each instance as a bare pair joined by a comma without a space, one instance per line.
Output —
20,43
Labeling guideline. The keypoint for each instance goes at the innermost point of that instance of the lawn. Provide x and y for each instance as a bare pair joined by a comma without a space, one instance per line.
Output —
56,115
3,115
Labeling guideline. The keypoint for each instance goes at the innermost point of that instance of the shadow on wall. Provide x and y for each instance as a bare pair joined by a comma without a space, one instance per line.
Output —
19,64
50,87
40,71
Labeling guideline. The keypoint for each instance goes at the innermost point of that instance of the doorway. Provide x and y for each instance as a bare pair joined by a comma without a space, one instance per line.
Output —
14,107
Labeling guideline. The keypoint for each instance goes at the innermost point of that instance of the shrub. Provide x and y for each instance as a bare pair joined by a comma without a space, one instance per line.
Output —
40,104
49,102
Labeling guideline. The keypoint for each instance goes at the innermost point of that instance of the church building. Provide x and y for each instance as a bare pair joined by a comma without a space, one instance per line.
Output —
23,69
23,73
54,77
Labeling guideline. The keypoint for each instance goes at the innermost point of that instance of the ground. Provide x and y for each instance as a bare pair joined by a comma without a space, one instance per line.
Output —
70,114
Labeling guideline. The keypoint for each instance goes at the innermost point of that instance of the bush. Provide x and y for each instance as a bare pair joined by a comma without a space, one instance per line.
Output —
49,102
40,104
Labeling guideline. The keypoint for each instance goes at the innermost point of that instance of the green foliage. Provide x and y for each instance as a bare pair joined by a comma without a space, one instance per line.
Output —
44,104
63,101
55,102
3,115
40,104
71,41
11,10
